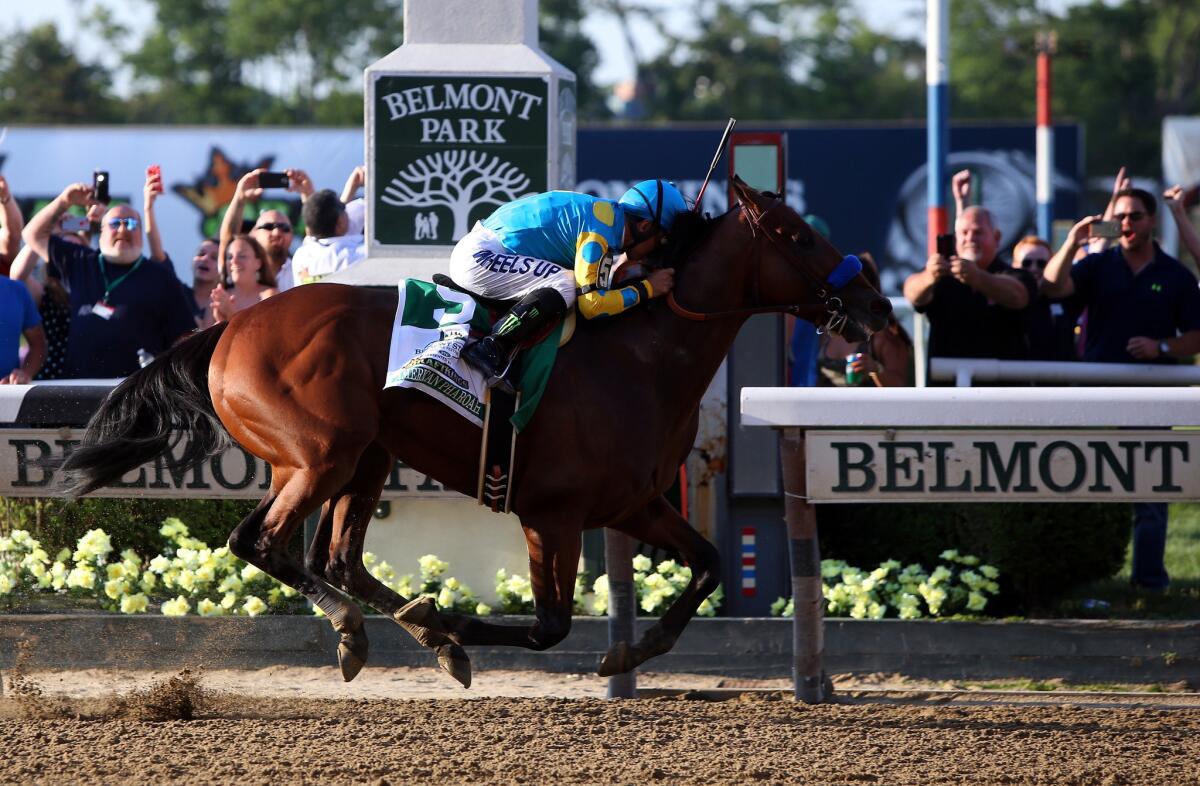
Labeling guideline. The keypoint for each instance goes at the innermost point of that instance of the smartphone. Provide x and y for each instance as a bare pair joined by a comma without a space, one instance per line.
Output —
946,246
152,171
100,186
273,180
72,223
1105,229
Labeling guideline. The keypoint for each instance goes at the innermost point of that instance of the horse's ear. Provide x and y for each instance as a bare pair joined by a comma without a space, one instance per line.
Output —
747,196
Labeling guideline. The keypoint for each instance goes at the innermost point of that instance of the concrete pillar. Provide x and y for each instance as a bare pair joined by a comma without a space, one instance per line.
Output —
467,115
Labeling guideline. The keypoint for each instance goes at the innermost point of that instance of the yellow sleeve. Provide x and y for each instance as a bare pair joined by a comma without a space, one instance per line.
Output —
590,251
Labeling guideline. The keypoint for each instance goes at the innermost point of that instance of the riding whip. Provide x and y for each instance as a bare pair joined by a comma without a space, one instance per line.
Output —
713,166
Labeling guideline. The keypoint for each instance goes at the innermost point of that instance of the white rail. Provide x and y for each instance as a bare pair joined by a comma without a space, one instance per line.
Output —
965,371
1049,407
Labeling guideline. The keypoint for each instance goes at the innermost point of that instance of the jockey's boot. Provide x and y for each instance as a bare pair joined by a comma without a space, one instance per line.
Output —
493,353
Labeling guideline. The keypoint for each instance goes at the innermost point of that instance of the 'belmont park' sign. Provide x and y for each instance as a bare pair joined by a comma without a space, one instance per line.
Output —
976,466
449,150
232,474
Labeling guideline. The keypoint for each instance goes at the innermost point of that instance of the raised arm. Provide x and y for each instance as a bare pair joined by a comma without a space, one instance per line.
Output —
300,183
1056,281
150,192
24,263
41,226
357,179
960,184
1187,233
11,224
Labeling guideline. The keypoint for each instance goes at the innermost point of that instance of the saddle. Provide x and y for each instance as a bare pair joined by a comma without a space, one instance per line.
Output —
499,448
497,307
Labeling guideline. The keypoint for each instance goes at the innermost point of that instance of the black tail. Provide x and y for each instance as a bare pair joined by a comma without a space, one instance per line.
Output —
149,412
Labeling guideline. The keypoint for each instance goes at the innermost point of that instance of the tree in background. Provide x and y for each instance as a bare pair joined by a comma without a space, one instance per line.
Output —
271,61
561,35
41,81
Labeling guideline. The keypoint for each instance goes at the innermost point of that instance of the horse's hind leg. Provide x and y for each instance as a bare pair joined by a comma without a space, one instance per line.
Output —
553,563
336,554
659,525
262,538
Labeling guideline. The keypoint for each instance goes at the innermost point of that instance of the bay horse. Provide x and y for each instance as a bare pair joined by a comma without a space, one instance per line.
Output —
297,380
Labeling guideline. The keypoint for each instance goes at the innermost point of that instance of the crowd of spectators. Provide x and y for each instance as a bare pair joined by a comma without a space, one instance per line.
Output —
94,295
1110,294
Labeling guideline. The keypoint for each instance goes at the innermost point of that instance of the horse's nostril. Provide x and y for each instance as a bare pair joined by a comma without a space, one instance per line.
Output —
881,306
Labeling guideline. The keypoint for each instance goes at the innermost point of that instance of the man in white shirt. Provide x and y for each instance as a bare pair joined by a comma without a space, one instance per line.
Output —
326,248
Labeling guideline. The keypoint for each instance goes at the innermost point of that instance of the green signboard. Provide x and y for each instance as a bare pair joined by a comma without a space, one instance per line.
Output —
449,150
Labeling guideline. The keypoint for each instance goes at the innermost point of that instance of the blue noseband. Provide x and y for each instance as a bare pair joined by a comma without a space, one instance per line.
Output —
840,276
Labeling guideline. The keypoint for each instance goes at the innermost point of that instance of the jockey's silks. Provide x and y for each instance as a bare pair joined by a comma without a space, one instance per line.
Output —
580,232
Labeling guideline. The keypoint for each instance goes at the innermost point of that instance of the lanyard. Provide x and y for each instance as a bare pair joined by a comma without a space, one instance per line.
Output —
108,288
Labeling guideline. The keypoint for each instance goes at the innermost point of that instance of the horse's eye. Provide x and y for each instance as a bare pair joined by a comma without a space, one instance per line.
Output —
803,237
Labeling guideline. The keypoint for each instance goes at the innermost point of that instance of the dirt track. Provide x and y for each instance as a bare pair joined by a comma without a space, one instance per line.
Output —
268,737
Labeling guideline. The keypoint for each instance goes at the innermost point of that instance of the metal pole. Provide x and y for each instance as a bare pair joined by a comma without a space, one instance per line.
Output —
622,608
808,616
1045,141
937,78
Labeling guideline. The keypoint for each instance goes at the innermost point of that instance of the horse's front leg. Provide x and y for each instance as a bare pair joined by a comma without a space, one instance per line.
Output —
553,562
659,525
336,554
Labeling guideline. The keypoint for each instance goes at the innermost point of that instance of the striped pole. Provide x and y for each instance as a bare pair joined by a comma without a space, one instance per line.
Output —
1045,142
937,78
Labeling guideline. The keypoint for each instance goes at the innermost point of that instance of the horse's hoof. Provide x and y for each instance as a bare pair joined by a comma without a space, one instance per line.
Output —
618,660
454,660
421,619
352,653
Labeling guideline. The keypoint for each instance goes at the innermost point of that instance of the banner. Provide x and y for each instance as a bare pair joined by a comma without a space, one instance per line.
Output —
1014,466
234,474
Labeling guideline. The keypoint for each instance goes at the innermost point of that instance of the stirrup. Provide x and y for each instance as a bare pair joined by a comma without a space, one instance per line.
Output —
501,381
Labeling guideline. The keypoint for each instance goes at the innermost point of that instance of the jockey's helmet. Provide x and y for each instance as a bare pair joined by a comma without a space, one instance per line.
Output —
656,200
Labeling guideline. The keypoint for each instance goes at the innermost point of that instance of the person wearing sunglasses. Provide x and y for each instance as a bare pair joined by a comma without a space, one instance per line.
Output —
1051,320
119,303
1143,307
272,229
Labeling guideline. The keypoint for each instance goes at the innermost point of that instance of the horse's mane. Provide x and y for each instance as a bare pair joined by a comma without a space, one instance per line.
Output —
687,232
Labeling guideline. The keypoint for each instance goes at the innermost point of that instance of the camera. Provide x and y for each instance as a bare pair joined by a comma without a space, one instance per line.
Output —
946,246
1104,229
274,180
100,186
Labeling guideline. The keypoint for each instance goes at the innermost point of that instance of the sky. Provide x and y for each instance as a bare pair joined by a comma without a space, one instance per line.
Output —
904,17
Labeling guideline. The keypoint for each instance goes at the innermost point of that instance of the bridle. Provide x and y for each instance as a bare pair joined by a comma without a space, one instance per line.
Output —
831,315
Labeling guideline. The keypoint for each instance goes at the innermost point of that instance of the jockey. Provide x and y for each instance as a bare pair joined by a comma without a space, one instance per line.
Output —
550,251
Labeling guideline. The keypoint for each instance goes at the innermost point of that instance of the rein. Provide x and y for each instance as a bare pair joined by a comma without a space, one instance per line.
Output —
831,311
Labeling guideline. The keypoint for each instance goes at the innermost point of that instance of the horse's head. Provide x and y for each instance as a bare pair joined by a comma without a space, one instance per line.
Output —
773,260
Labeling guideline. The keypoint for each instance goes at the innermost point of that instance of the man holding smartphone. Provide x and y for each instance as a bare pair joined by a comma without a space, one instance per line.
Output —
1143,307
119,303
976,303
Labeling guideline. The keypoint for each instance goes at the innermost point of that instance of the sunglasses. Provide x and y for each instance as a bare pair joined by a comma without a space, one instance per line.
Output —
1028,263
130,223
1136,215
269,226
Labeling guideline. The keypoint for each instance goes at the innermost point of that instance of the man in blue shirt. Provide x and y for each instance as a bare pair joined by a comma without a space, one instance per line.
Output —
1143,307
19,316
120,302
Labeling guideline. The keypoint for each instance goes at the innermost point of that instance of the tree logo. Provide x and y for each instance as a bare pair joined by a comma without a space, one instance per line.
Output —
459,180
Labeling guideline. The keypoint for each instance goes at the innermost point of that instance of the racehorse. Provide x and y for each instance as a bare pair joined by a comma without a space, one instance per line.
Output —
298,379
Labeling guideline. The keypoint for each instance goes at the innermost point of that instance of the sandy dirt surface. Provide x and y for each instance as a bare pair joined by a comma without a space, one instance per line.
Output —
400,726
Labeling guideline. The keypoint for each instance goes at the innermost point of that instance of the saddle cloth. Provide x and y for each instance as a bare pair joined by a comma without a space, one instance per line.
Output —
431,327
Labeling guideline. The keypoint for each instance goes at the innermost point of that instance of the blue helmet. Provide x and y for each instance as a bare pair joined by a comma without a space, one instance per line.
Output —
656,200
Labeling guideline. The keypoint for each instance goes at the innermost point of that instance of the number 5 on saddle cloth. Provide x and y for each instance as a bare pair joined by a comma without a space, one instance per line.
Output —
433,323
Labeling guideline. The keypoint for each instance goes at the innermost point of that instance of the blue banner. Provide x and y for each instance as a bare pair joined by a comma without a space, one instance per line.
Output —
867,182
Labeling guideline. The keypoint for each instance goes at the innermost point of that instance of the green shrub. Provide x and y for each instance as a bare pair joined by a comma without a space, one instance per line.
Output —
130,523
1042,550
